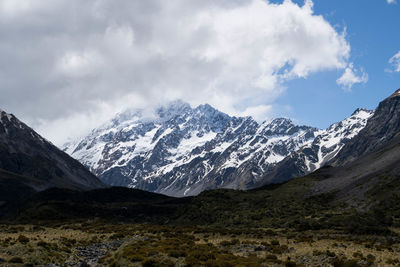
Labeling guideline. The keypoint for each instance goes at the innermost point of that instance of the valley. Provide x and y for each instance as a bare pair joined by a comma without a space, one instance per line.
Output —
343,209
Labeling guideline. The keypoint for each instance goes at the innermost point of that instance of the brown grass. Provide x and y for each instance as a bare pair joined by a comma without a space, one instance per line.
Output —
176,246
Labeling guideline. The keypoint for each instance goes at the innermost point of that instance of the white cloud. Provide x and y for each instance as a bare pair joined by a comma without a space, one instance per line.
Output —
391,1
235,55
76,65
350,77
259,113
395,61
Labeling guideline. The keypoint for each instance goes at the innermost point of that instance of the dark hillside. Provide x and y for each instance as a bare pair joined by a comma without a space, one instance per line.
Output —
26,153
381,128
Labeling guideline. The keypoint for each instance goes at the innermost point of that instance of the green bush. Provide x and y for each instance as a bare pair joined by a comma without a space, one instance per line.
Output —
43,244
23,239
117,236
149,263
16,260
358,254
275,242
344,263
290,264
330,253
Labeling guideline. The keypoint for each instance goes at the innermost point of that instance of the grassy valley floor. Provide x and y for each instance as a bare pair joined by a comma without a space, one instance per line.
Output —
95,243
278,225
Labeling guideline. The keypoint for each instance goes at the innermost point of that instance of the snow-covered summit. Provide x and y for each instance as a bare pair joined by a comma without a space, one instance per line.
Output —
175,130
183,150
326,145
362,113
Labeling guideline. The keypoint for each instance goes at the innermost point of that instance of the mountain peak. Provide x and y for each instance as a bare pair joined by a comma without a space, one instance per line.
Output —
210,111
382,127
278,123
362,112
10,117
172,109
2,112
395,94
205,107
281,121
279,126
25,152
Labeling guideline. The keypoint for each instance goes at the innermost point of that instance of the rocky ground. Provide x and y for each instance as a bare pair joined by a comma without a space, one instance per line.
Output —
90,255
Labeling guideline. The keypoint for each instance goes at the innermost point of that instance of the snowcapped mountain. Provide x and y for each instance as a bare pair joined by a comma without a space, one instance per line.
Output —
236,158
182,150
330,141
327,144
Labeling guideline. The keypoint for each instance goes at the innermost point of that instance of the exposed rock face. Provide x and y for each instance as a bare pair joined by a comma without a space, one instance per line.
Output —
39,163
380,129
183,151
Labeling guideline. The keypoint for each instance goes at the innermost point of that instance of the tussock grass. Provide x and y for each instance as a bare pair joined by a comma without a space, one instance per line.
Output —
161,245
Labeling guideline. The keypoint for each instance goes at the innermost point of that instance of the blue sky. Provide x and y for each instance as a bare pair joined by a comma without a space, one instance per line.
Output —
373,33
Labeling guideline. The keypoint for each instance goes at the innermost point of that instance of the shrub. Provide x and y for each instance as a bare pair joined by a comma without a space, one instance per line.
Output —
135,258
344,263
117,236
43,244
23,239
330,253
16,260
370,258
177,253
317,253
391,261
229,243
358,254
275,242
149,263
271,257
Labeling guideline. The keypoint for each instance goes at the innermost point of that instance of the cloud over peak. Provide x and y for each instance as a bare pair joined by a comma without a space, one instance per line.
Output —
71,59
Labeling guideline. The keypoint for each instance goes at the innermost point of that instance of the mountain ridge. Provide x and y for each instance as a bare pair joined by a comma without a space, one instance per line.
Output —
383,126
183,150
327,144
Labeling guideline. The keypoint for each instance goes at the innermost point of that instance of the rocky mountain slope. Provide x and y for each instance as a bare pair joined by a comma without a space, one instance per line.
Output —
30,161
367,169
182,150
324,148
381,129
